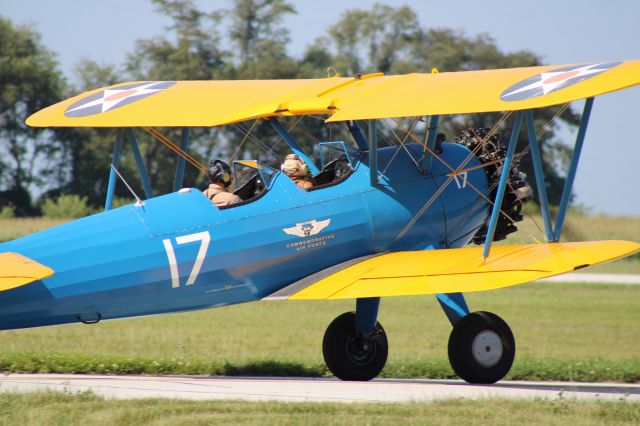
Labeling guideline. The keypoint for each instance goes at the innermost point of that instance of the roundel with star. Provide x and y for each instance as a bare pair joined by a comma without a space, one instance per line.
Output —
110,99
554,80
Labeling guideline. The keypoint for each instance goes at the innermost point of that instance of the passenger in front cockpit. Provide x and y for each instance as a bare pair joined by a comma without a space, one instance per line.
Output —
297,171
219,174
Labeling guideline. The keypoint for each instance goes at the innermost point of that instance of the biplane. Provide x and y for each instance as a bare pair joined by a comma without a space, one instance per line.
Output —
381,220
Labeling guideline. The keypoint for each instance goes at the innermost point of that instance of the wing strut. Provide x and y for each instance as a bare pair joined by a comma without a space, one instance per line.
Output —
568,184
115,162
356,133
502,186
539,175
373,153
144,177
450,177
286,136
552,233
427,158
184,145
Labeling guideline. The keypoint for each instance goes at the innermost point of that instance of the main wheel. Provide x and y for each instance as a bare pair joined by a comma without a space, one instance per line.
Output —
481,348
352,355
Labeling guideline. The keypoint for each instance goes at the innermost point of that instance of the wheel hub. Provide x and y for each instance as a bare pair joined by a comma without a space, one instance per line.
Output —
487,348
361,350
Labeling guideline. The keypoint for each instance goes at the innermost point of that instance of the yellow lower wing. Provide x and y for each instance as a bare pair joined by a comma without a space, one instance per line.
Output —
17,270
453,270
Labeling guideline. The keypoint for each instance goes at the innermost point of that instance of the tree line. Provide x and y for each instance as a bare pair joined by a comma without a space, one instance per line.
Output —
246,40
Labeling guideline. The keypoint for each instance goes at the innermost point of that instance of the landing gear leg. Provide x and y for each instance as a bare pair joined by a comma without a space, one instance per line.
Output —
481,348
355,345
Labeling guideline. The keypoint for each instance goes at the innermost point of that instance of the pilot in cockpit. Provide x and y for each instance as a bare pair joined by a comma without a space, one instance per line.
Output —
297,171
219,174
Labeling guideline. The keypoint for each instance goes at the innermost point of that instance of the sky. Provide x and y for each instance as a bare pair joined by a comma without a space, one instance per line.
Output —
561,32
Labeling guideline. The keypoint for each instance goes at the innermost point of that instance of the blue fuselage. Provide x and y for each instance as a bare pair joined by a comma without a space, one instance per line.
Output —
119,263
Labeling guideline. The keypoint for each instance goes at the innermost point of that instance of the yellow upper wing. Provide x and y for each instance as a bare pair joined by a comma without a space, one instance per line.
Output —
212,103
453,270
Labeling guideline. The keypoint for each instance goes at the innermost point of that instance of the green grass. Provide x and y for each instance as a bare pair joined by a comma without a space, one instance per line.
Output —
13,228
580,227
65,409
563,332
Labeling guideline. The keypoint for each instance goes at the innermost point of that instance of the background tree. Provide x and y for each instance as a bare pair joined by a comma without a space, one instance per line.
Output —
392,40
375,40
245,40
190,50
29,81
258,39
87,150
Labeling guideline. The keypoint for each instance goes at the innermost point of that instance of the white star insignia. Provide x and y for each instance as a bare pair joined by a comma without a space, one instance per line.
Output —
112,97
552,80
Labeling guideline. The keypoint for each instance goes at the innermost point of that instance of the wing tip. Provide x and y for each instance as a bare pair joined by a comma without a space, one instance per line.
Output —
18,270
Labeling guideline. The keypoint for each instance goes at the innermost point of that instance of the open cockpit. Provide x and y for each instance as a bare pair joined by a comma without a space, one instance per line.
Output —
338,161
252,179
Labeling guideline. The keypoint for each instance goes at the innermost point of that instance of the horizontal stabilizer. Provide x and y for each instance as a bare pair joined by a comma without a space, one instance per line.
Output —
17,270
453,270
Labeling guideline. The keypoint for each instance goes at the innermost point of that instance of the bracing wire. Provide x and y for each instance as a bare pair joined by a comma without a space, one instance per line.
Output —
451,176
175,148
246,136
401,142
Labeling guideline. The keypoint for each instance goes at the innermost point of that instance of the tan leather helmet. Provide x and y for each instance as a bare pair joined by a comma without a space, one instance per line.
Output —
293,166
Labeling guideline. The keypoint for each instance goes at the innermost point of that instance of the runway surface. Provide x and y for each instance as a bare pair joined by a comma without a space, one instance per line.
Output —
309,389
574,277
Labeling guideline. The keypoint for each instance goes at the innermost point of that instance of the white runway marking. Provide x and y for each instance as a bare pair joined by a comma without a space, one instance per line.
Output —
594,278
309,389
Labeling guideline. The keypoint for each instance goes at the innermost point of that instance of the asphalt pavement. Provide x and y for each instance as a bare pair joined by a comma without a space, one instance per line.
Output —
578,277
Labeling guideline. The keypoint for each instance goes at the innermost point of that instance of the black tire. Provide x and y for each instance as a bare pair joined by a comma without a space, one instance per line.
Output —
481,348
354,356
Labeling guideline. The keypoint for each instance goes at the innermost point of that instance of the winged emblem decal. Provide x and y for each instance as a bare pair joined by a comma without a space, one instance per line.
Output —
306,229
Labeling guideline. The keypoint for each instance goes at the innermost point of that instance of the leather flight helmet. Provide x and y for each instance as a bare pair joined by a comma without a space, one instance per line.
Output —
219,172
